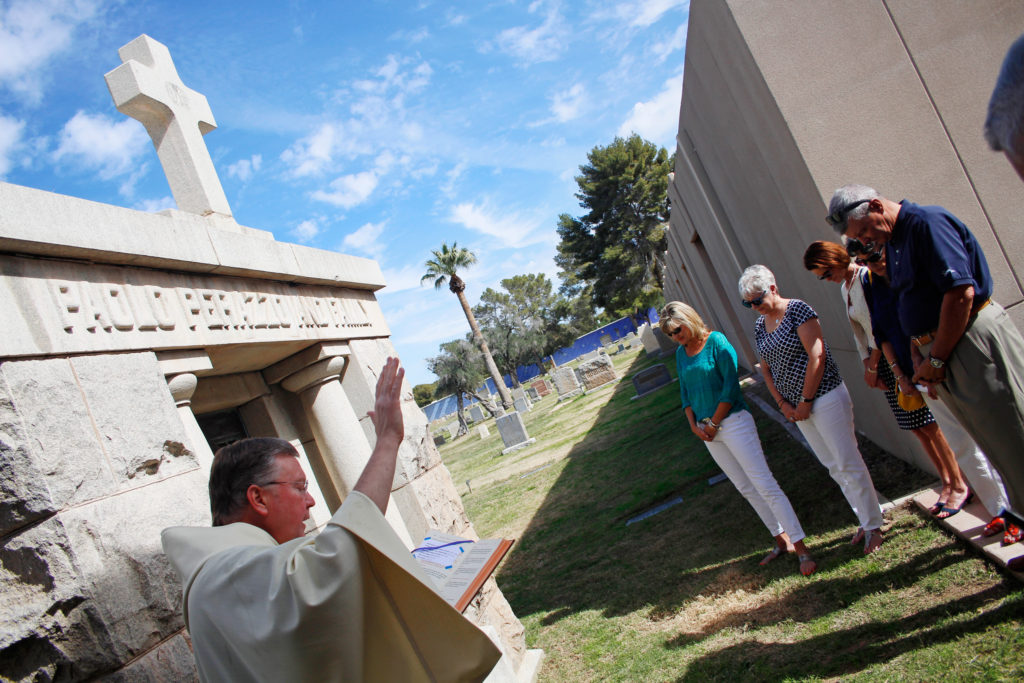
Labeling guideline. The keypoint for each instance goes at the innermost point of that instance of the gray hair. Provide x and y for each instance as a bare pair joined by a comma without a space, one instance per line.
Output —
1004,125
236,467
848,195
755,280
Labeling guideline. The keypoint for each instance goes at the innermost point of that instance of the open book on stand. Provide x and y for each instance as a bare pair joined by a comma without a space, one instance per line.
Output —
459,566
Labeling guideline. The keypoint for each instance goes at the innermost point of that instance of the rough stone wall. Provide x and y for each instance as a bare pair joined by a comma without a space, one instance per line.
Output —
423,488
93,464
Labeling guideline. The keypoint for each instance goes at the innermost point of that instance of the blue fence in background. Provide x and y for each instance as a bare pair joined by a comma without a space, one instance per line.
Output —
585,344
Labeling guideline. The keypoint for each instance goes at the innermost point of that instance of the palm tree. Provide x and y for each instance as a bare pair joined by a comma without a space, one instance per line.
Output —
441,269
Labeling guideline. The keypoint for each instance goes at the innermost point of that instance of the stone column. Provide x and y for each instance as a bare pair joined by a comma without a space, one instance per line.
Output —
182,387
336,428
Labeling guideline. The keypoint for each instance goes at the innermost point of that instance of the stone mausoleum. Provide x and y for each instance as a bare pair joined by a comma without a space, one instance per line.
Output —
134,345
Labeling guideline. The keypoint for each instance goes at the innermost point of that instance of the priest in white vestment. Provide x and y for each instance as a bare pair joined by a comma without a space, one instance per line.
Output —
263,602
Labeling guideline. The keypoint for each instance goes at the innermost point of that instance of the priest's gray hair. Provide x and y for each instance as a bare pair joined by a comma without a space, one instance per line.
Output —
238,466
1004,125
755,279
848,195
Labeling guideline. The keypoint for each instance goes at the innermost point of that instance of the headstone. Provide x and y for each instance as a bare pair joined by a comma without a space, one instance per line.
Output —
513,432
622,347
483,432
532,394
453,429
566,383
651,379
476,413
590,355
542,386
666,346
635,342
523,405
598,372
518,392
606,339
649,341
439,439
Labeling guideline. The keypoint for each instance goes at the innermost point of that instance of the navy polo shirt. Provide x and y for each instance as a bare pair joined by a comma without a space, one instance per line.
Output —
929,253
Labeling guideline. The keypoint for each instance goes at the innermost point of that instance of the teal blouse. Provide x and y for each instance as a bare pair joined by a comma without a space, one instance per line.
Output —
709,378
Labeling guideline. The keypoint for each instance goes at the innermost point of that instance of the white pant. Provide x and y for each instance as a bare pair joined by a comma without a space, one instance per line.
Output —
983,479
829,431
737,450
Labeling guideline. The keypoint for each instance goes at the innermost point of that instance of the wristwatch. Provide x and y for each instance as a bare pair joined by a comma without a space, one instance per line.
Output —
937,363
804,399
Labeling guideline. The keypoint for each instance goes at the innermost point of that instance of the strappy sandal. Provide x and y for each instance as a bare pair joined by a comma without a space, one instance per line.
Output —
994,527
869,539
858,537
1012,534
804,559
775,553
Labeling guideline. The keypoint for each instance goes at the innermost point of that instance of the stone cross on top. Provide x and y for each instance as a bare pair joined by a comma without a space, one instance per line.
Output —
147,88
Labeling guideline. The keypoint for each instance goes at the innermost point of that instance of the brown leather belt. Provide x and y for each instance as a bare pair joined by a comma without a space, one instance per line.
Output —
929,337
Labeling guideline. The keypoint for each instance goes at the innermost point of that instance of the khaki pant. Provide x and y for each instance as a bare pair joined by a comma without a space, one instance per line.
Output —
984,389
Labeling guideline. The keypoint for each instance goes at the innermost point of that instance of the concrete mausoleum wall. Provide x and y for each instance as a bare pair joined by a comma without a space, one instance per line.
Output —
784,102
123,332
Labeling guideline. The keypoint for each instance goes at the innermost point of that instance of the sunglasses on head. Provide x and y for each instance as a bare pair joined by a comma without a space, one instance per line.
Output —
753,302
838,217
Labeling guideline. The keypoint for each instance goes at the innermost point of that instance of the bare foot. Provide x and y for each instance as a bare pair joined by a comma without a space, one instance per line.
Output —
873,541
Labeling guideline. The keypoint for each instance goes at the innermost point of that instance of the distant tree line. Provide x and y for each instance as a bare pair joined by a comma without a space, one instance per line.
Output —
611,264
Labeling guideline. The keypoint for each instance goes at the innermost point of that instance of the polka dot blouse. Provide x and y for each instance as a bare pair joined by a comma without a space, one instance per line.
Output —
786,356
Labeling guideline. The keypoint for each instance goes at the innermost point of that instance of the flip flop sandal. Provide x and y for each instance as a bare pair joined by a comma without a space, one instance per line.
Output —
1013,534
857,537
803,560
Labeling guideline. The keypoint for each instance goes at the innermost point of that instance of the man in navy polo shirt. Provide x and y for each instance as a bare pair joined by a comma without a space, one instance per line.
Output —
972,353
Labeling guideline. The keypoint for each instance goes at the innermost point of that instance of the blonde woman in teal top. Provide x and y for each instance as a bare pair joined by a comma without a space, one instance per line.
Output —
718,416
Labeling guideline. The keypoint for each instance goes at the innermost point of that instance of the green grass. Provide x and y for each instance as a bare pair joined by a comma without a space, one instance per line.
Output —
680,596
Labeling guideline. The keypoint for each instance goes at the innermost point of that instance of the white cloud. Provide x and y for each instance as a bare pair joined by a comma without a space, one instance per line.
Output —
366,240
411,36
656,119
349,190
10,137
306,230
643,13
154,205
244,168
404,279
31,32
543,43
568,104
676,41
506,226
102,144
313,153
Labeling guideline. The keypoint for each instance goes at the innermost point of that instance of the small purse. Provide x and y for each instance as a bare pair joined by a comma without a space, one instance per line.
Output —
909,403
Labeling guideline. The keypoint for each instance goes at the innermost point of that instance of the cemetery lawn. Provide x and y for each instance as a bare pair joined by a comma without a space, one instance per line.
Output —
680,596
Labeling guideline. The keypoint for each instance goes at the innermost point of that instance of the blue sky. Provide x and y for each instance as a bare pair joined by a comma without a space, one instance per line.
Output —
374,128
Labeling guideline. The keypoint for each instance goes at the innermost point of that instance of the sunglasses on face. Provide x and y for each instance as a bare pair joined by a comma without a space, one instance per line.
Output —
753,302
873,257
676,331
826,275
838,217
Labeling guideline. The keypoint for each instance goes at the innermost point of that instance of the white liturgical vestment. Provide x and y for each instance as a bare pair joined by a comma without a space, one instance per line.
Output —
349,603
